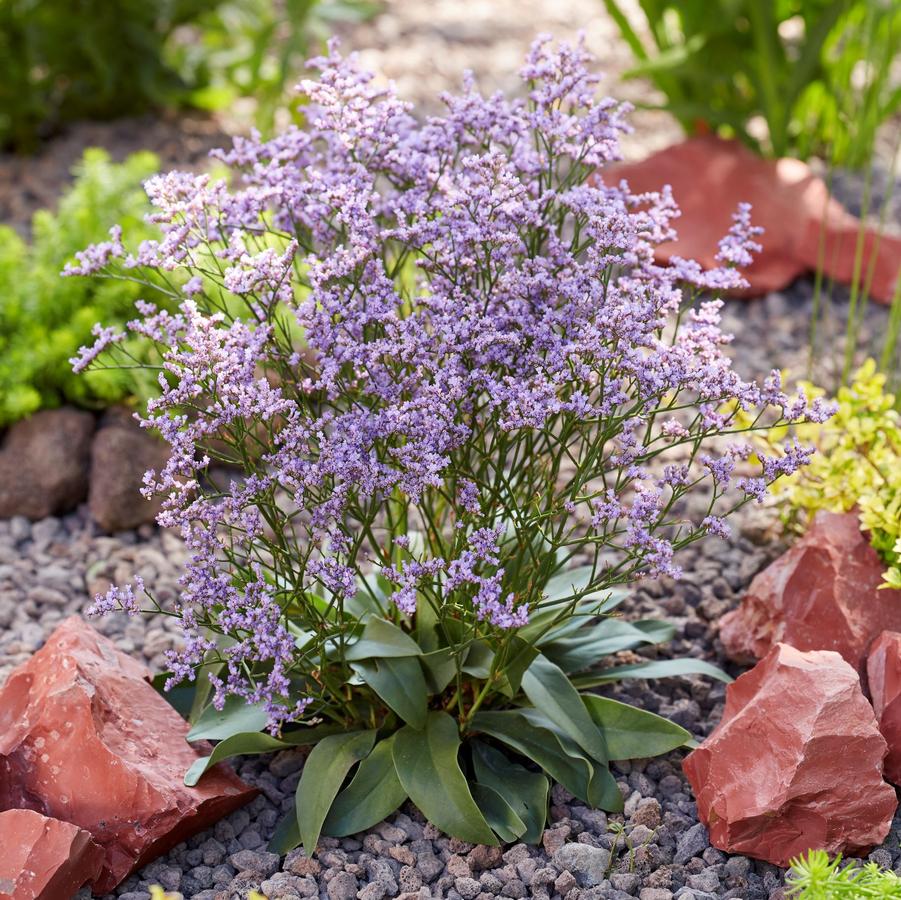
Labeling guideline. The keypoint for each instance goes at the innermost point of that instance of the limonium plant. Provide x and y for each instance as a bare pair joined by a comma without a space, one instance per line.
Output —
461,409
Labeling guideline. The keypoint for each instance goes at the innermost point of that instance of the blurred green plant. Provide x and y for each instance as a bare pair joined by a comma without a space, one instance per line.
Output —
44,318
254,48
100,59
821,75
816,877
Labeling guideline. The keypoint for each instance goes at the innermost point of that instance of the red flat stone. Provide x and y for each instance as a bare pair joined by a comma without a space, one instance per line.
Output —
711,176
795,764
820,595
86,739
44,859
884,678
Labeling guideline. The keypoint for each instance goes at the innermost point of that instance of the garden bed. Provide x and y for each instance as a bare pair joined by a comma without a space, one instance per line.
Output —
50,569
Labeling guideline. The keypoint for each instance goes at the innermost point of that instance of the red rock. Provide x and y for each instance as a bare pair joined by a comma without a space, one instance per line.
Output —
711,176
44,859
86,739
820,595
884,678
795,764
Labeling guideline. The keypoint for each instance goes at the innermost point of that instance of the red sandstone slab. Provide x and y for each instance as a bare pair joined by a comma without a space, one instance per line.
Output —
711,176
795,764
823,594
44,859
86,739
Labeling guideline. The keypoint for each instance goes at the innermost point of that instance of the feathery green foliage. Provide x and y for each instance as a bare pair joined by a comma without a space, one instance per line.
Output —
44,318
816,877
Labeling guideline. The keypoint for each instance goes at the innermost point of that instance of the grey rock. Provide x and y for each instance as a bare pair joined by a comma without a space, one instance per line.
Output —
588,864
692,843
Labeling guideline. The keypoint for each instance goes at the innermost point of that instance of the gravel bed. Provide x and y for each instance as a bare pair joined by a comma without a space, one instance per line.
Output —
656,850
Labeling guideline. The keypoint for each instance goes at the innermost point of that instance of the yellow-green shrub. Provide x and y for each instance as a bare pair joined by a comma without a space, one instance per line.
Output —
857,464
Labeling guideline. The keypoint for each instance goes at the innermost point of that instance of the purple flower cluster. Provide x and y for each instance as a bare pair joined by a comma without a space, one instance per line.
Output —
396,327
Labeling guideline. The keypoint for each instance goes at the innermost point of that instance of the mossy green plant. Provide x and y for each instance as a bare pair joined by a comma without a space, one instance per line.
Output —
816,877
44,318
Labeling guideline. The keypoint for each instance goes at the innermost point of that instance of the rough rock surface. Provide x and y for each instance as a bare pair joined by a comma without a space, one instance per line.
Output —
86,739
795,763
44,859
44,463
884,681
121,453
788,199
820,595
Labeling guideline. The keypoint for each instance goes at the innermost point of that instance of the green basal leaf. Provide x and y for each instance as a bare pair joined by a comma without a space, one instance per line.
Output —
323,774
542,745
498,813
658,668
237,716
603,791
400,683
439,668
236,745
373,794
525,791
382,638
479,660
427,766
257,742
370,598
597,641
286,835
633,733
180,698
549,690
600,786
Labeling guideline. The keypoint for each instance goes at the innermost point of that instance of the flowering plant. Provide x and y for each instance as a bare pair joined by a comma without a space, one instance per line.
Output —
461,406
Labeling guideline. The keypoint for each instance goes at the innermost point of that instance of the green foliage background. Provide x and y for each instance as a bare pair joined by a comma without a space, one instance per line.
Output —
820,74
45,318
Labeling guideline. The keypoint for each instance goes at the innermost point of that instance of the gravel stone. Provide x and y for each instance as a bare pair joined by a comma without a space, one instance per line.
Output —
588,864
692,843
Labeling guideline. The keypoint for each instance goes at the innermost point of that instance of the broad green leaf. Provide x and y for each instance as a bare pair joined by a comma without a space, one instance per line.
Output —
439,669
370,598
236,745
382,638
478,660
602,639
525,791
323,774
181,697
427,766
600,786
257,742
236,717
498,813
548,688
373,793
658,668
633,733
603,791
400,683
542,745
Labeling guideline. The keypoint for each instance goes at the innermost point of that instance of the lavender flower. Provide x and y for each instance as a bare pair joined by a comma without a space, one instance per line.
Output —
443,360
